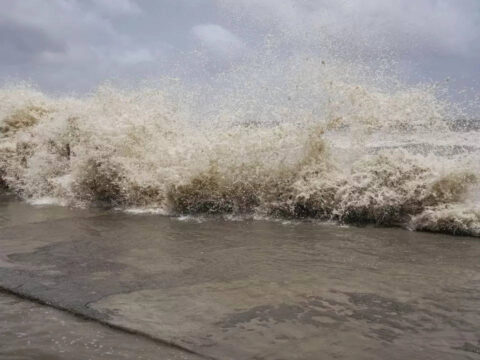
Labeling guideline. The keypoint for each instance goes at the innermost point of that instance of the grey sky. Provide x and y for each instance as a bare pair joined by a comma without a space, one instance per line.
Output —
76,44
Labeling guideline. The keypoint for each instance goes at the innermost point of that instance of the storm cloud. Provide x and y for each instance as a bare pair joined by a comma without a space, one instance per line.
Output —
75,45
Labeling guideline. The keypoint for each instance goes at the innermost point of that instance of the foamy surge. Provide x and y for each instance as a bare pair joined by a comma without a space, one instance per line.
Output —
307,139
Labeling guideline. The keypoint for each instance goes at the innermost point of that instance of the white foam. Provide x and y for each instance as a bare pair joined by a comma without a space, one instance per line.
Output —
285,139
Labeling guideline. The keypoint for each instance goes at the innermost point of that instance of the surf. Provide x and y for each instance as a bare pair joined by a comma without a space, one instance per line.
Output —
301,138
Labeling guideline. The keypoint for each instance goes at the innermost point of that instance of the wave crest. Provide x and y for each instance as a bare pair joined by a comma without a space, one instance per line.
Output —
315,146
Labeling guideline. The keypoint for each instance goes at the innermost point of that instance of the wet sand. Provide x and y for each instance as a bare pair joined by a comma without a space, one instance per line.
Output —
247,289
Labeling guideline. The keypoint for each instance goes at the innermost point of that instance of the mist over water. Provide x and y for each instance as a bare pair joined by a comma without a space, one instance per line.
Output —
301,135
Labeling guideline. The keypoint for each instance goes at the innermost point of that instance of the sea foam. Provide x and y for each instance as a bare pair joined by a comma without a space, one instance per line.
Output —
297,138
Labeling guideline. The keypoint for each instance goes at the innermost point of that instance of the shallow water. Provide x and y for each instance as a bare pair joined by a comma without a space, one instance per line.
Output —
245,289
32,331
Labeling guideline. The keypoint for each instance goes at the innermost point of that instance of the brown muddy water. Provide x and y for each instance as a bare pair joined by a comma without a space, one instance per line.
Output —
32,331
230,289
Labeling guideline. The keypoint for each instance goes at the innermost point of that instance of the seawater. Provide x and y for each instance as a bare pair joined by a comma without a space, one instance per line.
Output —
301,137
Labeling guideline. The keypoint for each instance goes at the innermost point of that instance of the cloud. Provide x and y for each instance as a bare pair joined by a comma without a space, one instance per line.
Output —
218,39
117,7
22,44
75,44
445,27
69,22
42,40
137,56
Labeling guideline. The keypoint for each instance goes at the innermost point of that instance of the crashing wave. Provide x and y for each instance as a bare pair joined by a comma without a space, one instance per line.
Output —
319,145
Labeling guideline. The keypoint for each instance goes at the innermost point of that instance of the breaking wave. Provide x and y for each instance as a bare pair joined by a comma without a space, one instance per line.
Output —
304,138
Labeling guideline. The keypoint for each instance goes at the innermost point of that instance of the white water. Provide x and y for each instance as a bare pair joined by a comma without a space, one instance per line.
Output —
302,137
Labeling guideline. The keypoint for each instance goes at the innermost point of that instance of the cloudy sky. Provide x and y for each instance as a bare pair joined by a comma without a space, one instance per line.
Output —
73,45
